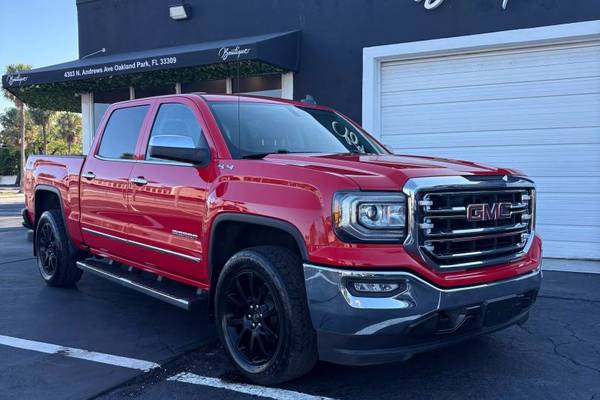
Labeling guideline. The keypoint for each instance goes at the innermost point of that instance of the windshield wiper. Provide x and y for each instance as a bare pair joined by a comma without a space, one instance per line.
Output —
258,156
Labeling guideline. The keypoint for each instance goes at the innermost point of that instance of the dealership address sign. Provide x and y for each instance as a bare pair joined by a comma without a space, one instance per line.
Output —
433,4
120,67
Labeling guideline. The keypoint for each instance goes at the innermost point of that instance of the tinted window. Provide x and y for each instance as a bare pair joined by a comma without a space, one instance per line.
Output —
121,132
258,128
177,119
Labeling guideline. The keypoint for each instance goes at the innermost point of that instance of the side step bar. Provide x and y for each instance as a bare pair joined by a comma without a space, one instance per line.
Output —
174,293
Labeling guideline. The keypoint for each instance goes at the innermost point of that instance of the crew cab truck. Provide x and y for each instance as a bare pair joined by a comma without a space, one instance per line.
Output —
308,238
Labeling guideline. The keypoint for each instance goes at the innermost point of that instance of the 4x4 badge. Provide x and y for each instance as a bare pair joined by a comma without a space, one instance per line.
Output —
224,166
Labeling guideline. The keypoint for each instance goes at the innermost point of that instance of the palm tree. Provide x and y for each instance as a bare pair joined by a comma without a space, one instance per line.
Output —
68,128
15,69
42,118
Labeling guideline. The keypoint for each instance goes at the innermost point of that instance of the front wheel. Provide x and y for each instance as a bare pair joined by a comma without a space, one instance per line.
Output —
262,315
55,258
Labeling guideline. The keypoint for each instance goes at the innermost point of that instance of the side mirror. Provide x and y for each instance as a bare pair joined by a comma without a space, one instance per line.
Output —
178,148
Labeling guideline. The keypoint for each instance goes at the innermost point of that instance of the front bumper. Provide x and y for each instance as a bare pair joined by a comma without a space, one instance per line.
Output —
357,330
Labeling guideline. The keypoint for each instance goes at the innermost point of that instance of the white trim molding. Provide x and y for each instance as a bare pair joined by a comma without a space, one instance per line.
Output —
87,121
287,85
373,57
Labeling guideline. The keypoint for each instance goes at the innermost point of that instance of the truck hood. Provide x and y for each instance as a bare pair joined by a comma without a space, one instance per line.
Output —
385,172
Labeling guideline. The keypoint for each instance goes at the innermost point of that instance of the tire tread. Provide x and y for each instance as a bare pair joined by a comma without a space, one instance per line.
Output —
301,354
67,273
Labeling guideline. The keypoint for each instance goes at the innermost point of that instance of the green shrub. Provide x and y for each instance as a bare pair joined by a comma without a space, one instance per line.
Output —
9,161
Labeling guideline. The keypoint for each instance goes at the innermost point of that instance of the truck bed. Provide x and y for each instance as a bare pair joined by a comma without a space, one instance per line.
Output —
59,174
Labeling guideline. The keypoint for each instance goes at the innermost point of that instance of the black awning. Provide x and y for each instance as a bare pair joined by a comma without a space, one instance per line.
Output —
280,50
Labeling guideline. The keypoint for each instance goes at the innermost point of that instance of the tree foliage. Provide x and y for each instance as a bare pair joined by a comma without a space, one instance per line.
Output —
9,161
9,127
63,135
68,127
42,119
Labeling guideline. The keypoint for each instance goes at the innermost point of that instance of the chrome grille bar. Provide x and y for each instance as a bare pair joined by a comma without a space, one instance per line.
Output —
481,253
441,234
464,232
476,237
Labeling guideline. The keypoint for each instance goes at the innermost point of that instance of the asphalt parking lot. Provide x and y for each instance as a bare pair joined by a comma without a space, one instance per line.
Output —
97,340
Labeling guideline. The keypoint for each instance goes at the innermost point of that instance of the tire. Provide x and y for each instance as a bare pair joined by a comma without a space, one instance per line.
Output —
289,350
55,255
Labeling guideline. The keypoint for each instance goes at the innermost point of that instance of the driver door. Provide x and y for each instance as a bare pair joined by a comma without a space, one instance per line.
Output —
168,198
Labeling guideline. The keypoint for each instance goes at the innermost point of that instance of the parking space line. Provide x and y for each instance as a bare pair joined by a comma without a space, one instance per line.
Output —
15,261
81,354
271,393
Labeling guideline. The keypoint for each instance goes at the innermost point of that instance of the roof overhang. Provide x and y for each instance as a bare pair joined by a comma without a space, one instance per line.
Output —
208,60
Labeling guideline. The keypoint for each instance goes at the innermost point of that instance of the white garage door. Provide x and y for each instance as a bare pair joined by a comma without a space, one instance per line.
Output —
535,109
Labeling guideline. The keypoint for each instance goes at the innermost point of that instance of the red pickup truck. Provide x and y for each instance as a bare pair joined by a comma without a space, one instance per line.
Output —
307,237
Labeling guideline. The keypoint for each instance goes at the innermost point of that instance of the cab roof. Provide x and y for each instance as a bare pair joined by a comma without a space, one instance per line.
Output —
258,99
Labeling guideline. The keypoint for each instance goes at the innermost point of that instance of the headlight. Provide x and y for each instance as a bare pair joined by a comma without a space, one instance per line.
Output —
369,216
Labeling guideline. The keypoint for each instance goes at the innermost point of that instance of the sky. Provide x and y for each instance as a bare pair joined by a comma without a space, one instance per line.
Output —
38,33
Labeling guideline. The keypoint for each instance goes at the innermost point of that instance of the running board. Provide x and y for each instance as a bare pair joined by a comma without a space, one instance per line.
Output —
174,293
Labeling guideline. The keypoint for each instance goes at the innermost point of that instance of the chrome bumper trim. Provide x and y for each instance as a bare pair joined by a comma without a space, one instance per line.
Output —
335,310
402,274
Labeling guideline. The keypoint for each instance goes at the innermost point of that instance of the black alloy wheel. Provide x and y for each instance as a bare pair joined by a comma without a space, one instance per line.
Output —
252,319
56,258
48,252
262,315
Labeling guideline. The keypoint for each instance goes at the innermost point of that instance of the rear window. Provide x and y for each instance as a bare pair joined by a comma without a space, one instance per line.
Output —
121,133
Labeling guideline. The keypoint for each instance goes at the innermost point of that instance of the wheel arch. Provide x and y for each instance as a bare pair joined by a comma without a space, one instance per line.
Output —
45,198
227,238
50,193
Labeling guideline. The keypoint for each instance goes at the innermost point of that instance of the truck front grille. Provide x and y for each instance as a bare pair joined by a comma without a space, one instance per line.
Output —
446,238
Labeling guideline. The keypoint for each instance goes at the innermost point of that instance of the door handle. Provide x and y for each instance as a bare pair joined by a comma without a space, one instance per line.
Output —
89,176
140,181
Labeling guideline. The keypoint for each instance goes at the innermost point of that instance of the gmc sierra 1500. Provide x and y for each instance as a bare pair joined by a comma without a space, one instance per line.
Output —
309,239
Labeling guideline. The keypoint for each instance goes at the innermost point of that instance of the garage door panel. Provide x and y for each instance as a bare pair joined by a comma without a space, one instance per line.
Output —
588,234
587,69
574,86
534,109
546,160
492,62
583,186
547,112
493,138
575,250
564,208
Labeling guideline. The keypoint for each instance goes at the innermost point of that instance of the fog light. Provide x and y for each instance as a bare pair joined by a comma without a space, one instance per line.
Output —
376,287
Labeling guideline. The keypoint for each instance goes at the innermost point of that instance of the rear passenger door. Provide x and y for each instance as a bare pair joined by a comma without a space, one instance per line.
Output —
168,198
105,183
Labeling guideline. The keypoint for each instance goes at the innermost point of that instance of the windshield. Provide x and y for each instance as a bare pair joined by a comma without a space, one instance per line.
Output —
263,128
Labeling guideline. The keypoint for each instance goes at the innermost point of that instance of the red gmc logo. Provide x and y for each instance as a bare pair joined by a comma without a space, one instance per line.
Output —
488,212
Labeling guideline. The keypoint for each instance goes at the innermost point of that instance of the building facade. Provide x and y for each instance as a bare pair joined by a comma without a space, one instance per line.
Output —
505,82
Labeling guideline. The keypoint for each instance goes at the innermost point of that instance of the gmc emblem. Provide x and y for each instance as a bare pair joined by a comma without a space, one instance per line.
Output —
488,212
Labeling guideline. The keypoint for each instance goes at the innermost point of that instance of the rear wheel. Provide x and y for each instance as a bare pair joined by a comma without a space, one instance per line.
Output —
55,257
262,315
